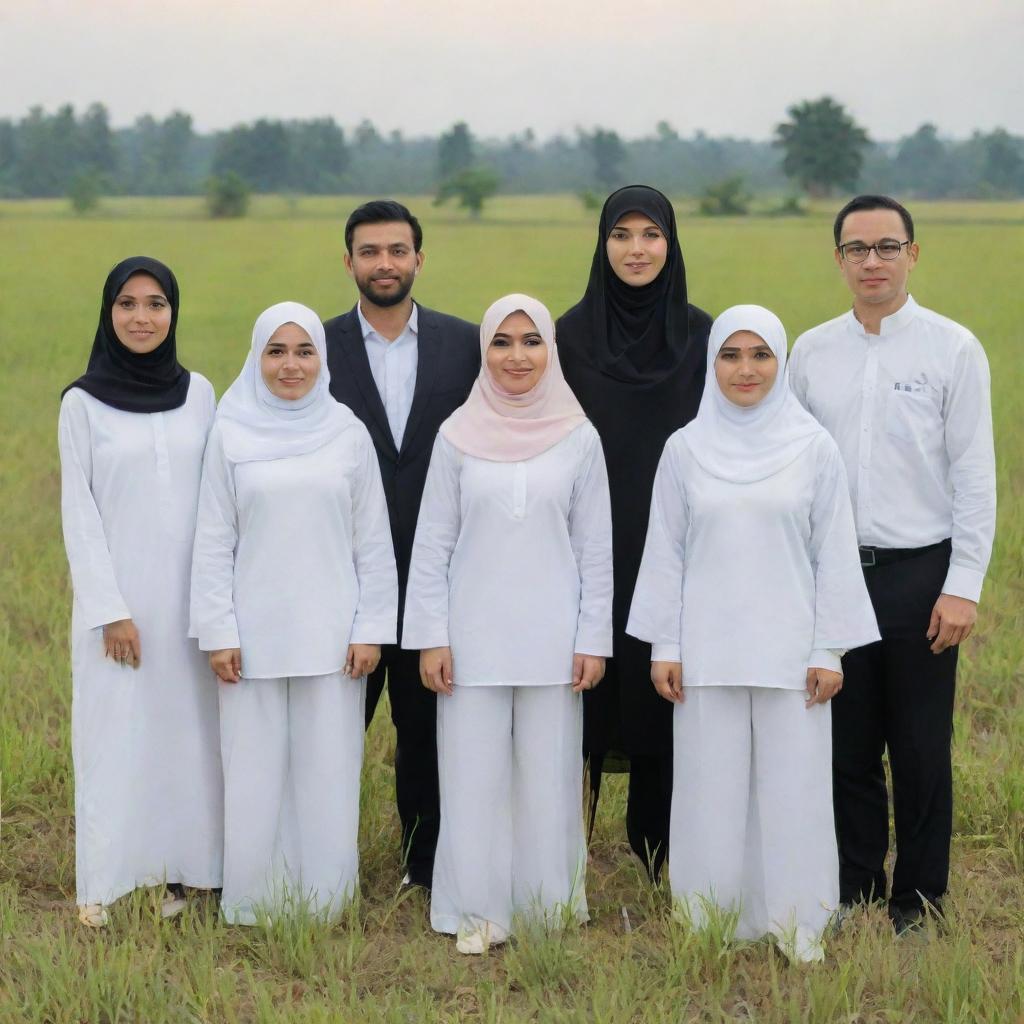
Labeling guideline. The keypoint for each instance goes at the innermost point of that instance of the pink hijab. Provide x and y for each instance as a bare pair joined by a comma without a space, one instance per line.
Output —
491,423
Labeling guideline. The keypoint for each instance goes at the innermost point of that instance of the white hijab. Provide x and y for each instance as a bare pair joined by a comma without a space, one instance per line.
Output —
258,426
743,445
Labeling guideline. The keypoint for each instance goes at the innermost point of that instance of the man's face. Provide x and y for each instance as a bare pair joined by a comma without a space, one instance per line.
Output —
876,281
383,262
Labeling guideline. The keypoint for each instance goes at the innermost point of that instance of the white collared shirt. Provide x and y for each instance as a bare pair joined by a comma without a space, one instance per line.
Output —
911,411
393,365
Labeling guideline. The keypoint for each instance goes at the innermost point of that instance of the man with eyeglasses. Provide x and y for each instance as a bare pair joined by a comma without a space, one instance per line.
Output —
905,393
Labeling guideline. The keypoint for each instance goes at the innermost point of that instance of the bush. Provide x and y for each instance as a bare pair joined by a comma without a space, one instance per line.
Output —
590,199
227,195
789,207
84,192
471,187
727,198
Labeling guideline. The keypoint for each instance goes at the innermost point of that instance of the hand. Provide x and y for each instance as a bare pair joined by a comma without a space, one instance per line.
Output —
587,672
436,669
667,677
227,664
121,642
362,660
822,685
952,620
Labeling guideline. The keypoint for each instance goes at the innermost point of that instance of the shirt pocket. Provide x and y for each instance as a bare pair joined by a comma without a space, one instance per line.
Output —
913,417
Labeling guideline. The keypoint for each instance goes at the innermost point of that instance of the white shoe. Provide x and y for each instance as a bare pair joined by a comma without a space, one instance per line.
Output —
172,905
93,915
479,940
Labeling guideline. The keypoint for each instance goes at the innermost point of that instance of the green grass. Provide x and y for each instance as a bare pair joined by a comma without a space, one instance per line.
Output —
382,963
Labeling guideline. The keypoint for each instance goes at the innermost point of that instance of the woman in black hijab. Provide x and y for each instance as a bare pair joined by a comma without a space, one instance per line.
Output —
634,351
144,728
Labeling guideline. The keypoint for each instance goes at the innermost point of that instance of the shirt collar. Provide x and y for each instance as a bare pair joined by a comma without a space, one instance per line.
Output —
412,324
890,324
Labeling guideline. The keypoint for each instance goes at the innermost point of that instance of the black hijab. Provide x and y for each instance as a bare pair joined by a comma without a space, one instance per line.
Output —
147,382
636,360
636,334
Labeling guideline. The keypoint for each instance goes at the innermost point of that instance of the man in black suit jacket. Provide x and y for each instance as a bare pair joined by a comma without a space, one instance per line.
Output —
402,369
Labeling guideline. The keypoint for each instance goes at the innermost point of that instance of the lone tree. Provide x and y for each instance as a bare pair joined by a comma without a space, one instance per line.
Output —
824,146
471,187
454,152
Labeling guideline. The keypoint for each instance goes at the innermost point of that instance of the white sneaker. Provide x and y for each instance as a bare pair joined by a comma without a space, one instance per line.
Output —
93,915
172,905
479,940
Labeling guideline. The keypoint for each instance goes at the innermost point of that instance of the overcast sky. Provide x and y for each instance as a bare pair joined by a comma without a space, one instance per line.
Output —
728,67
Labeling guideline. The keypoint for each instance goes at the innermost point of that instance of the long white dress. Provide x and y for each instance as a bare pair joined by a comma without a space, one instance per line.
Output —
148,789
750,584
512,569
293,562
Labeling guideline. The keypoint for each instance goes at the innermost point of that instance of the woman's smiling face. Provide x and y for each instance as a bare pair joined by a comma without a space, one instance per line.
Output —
745,368
141,314
636,249
290,363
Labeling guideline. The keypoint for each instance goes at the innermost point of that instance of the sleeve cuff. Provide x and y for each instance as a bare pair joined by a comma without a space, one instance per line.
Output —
963,582
423,641
104,616
666,652
593,645
831,660
219,640
370,631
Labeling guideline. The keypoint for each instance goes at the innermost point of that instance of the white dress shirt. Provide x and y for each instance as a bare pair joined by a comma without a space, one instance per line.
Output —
750,584
512,565
393,365
910,409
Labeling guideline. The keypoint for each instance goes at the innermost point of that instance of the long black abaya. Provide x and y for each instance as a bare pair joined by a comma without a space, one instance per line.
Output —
635,357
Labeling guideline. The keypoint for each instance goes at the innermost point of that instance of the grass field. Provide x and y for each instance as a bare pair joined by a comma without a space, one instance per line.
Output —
383,963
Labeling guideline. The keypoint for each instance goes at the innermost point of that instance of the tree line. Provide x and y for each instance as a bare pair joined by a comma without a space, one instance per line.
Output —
817,149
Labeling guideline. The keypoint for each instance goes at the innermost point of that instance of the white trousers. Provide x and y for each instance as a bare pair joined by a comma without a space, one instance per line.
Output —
511,842
752,826
292,751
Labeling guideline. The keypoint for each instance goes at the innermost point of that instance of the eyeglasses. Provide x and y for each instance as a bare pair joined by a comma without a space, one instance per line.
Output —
857,252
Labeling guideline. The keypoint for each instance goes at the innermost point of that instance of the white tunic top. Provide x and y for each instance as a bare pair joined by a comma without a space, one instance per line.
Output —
145,741
910,409
750,584
512,563
293,558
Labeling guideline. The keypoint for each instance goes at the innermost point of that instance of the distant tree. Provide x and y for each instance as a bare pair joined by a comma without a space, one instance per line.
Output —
606,150
1003,170
366,134
728,198
259,153
472,187
666,134
8,154
227,195
318,156
824,147
920,162
84,191
96,149
454,152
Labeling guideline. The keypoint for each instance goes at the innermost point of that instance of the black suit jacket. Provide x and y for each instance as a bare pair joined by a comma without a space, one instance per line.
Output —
448,362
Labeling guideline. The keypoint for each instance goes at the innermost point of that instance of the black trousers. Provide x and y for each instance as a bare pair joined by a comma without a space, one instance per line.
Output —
414,713
896,695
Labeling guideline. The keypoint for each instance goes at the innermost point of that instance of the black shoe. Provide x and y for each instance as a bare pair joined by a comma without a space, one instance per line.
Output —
416,880
907,920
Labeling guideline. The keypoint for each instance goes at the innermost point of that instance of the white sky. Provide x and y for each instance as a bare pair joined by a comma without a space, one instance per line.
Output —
729,67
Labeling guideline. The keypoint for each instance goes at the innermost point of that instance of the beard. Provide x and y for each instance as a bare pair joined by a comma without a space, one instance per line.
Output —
386,299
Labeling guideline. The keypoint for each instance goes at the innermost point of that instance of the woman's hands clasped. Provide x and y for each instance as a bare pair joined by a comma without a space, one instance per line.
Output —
121,642
667,677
